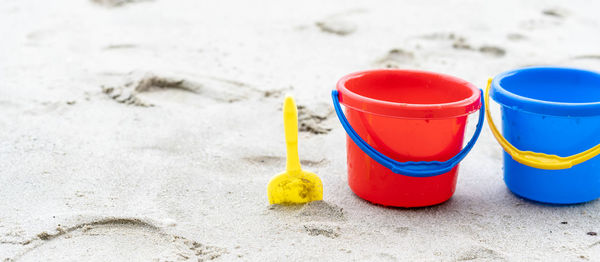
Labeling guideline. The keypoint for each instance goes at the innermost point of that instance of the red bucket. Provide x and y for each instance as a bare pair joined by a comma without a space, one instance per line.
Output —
403,116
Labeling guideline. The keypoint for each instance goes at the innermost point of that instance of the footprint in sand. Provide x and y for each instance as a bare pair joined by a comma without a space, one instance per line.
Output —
395,58
555,12
492,50
322,210
595,57
336,26
116,239
320,218
479,253
516,37
137,90
276,93
552,17
461,43
117,3
119,46
321,229
312,211
339,24
312,118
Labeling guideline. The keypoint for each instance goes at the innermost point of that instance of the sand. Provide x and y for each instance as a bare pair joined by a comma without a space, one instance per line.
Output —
148,130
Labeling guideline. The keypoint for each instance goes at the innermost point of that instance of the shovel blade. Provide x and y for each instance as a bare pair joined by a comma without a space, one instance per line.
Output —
299,188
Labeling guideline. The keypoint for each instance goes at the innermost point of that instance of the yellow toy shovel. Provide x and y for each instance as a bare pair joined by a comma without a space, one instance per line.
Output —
294,186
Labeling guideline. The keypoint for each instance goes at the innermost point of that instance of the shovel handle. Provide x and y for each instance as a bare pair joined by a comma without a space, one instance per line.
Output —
290,125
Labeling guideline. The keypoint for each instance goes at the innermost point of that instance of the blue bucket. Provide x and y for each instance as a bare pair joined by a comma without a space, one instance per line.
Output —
554,112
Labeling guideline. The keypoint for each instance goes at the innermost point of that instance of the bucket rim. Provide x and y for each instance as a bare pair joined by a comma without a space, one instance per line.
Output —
366,104
538,106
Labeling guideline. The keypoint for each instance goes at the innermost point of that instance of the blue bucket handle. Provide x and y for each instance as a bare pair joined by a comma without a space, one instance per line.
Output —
409,168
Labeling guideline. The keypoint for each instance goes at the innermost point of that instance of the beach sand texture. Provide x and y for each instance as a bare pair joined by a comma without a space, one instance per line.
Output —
148,130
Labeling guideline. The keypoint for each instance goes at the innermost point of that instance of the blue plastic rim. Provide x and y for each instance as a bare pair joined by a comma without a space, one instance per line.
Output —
549,91
556,111
409,168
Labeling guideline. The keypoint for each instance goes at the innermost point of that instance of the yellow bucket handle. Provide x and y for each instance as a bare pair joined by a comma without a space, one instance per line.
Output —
533,159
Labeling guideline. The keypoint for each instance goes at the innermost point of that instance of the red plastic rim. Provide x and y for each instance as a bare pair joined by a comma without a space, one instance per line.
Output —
408,94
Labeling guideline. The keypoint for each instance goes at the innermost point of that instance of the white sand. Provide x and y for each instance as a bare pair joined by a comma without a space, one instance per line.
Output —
83,177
